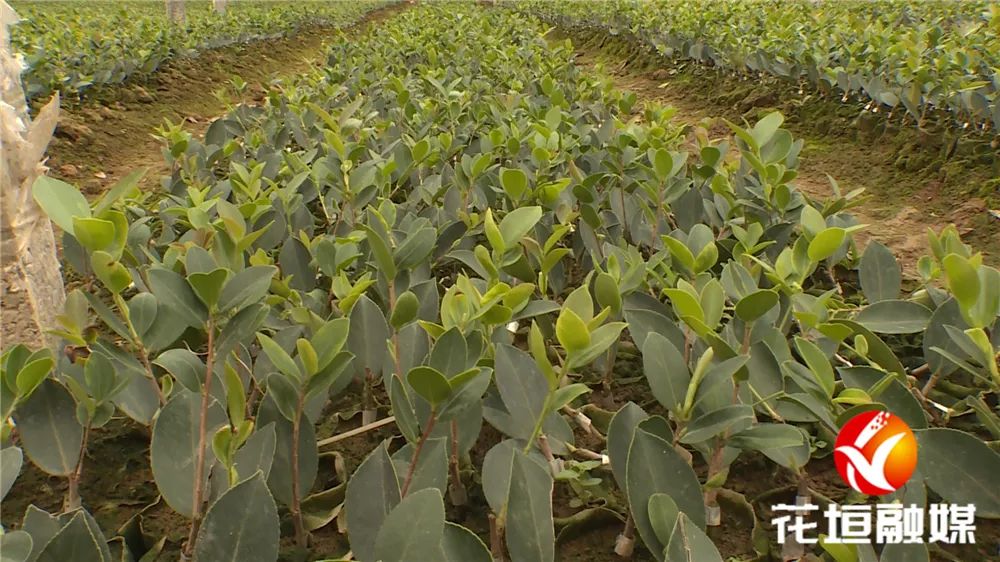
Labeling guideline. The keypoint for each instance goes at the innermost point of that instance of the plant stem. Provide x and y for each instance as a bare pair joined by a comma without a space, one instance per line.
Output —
416,453
138,347
496,541
625,543
296,507
712,494
458,494
73,491
199,465
931,383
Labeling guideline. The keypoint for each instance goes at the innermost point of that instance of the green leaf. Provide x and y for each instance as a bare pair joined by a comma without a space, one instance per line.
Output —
680,252
530,531
279,481
279,357
765,128
812,221
382,253
15,546
284,393
173,291
666,371
48,429
912,552
405,311
257,454
173,447
653,467
571,331
367,336
894,317
730,419
514,181
818,363
961,469
246,287
185,366
401,540
517,223
685,304
307,356
329,340
566,395
432,465
688,543
121,188
94,234
111,273
756,304
879,273
372,493
31,375
77,540
11,459
663,164
522,387
607,292
430,384
620,432
60,201
241,525
493,234
208,286
462,545
987,307
765,436
826,243
838,551
601,340
663,515
963,280
579,302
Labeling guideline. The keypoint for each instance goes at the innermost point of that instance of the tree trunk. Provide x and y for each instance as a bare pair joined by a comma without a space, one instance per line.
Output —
220,6
175,11
27,245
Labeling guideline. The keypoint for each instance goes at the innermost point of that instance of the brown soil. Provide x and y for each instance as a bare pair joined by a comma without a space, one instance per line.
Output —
904,199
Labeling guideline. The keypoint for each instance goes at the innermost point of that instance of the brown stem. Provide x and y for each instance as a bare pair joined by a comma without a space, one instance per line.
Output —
496,540
73,491
199,466
931,383
416,453
296,506
368,399
543,444
711,495
625,543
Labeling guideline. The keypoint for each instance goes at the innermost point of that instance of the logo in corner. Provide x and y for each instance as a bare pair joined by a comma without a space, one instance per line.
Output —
875,453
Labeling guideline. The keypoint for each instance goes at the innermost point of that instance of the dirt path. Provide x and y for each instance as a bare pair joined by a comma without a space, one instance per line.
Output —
103,140
899,207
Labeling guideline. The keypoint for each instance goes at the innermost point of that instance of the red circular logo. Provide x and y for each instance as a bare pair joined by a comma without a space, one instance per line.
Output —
875,453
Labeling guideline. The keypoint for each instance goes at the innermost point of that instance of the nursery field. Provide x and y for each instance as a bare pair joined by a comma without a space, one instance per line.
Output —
518,282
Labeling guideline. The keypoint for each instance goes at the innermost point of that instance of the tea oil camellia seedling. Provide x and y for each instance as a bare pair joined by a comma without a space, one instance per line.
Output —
578,317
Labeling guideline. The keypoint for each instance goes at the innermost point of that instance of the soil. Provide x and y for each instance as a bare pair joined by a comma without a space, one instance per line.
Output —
909,187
